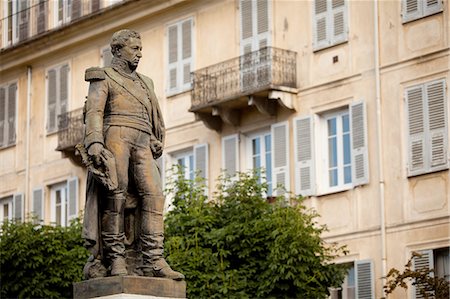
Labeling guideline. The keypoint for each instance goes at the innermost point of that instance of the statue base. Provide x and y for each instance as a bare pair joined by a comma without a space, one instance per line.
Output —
129,287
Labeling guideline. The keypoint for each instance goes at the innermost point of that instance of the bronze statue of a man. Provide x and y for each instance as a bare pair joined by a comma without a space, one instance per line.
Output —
124,135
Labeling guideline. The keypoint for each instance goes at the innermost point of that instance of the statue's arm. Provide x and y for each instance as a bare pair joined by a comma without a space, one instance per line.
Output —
95,107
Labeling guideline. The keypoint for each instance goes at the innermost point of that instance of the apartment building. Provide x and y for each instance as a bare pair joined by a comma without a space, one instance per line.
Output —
344,102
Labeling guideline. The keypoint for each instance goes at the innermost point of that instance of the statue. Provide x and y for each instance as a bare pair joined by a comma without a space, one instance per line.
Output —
123,221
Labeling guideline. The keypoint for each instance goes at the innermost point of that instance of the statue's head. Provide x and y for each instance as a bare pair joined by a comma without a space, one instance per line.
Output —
126,44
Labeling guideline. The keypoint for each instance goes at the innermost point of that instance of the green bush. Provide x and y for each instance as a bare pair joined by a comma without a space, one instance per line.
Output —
241,246
40,261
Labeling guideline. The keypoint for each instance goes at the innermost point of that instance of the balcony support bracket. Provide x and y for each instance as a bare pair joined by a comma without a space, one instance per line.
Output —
265,106
211,122
284,98
228,116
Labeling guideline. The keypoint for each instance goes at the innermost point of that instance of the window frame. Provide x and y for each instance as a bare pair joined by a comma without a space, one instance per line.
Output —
5,143
66,13
64,204
6,200
180,86
263,152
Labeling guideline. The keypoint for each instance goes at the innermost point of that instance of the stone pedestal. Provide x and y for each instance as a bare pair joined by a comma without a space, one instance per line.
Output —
129,287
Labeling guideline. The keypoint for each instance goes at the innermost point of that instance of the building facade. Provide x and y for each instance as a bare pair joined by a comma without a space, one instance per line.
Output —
344,102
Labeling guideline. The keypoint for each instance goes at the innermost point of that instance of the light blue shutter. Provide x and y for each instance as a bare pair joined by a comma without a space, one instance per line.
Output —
172,32
201,157
18,206
416,130
304,157
431,7
186,52
360,160
320,24
52,100
38,204
280,161
339,22
365,288
424,262
72,198
230,154
246,14
412,9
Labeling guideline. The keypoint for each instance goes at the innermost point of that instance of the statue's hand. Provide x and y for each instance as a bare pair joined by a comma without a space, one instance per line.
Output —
95,151
156,147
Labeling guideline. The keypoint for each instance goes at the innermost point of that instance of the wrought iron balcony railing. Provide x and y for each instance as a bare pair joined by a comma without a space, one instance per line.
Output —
267,68
70,130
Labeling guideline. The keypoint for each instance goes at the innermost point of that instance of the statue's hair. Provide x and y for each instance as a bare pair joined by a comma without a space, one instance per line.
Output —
120,37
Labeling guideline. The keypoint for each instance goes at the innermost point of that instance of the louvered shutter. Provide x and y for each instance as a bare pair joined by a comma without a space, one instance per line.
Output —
254,16
246,13
201,157
304,159
38,204
12,92
2,116
186,54
72,198
230,155
431,7
364,280
339,22
52,100
24,17
412,9
41,16
18,206
173,56
95,5
416,130
423,262
280,161
63,97
320,24
360,160
437,125
76,9
106,57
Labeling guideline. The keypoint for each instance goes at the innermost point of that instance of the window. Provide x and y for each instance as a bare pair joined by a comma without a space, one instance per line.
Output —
416,9
186,161
64,202
6,208
255,25
342,146
180,56
426,110
260,155
41,16
329,23
193,160
358,283
57,95
8,102
438,260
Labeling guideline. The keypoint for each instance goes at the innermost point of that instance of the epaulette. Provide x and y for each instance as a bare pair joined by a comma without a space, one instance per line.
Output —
94,74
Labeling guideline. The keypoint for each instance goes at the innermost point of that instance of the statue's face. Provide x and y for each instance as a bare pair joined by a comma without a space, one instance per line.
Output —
131,51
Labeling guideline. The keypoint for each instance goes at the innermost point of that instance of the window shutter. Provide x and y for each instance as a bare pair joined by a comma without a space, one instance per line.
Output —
424,262
280,161
262,7
320,25
364,280
437,124
24,17
72,198
432,6
360,160
41,16
51,122
64,89
339,25
416,130
76,9
38,204
201,157
304,160
18,206
95,5
2,116
186,31
230,154
12,91
246,24
173,56
412,9
106,57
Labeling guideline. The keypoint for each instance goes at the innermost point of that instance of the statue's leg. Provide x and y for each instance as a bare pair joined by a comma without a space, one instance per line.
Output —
113,234
148,183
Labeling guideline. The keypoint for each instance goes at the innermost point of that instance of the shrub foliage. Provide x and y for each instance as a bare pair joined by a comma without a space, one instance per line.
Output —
40,261
239,245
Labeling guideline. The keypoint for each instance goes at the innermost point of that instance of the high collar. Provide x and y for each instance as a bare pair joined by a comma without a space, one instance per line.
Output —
121,66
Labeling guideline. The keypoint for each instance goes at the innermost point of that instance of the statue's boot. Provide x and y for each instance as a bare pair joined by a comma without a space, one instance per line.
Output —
113,241
152,241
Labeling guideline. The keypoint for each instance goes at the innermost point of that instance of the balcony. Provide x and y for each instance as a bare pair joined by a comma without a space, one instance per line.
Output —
264,79
70,131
